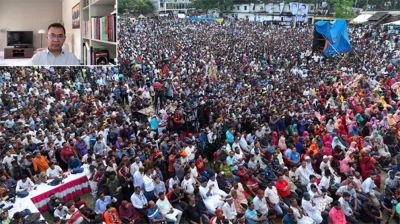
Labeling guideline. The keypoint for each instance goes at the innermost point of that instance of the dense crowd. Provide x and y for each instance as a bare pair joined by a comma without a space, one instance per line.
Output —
237,122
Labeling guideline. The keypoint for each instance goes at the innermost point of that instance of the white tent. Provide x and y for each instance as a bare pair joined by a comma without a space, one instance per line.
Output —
362,18
141,16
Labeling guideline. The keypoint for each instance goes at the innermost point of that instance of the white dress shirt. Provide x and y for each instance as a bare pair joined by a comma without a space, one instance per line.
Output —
135,167
138,200
53,173
260,205
229,211
272,195
164,206
148,183
368,186
47,58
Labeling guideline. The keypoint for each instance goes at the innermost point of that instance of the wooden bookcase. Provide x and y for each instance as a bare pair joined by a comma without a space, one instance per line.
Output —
100,10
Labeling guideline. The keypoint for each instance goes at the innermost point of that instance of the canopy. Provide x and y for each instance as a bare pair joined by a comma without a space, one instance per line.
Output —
336,36
362,18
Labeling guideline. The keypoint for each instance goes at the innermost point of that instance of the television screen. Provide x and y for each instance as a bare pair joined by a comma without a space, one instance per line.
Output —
19,38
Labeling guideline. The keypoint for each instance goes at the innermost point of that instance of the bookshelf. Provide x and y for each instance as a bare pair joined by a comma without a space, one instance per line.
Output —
98,31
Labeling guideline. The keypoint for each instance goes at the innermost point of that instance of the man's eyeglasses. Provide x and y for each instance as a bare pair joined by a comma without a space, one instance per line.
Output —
53,36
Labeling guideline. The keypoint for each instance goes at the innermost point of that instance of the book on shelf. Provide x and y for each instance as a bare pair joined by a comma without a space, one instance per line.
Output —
86,29
103,28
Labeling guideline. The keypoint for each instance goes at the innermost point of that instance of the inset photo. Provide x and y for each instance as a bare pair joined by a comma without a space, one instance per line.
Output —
58,32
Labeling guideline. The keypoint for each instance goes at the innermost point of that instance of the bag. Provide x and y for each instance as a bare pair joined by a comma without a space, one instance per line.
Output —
22,194
55,182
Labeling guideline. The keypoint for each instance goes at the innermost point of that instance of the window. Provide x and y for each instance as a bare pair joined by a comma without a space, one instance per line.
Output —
245,8
238,7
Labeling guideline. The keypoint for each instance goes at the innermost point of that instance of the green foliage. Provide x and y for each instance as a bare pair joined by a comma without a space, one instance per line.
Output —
135,6
343,8
222,5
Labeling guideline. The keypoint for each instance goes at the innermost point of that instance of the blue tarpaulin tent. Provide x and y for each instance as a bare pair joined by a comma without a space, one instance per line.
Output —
335,33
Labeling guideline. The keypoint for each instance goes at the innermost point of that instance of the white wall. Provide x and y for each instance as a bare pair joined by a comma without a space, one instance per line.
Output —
28,15
75,34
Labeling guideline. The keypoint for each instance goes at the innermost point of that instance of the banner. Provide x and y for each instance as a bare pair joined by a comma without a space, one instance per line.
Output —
299,9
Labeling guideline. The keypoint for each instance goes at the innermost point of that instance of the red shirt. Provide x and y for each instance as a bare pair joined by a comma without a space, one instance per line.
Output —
283,188
200,165
66,152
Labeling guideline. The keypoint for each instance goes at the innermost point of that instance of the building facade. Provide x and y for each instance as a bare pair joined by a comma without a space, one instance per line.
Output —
275,12
175,6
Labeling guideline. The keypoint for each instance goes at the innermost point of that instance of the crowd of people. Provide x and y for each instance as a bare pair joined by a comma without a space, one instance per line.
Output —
244,124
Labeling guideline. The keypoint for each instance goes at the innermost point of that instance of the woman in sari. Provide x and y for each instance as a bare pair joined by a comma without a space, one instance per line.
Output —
346,165
327,140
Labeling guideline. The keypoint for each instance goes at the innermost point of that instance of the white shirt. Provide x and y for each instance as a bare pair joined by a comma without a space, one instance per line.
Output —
308,208
325,182
47,58
203,192
215,189
191,152
148,183
7,161
368,186
260,205
27,186
61,213
193,172
135,167
164,206
56,172
304,175
229,211
187,185
345,207
138,200
272,195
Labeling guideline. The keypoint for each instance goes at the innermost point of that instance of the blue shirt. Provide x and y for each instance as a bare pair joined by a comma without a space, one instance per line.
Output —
72,164
230,137
47,58
294,157
250,215
101,205
153,213
154,123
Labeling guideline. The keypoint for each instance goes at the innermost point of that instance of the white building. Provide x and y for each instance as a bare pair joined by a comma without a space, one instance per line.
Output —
166,6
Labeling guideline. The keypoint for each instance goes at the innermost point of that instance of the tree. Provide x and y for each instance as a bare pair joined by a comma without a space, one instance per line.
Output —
343,8
222,5
135,6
